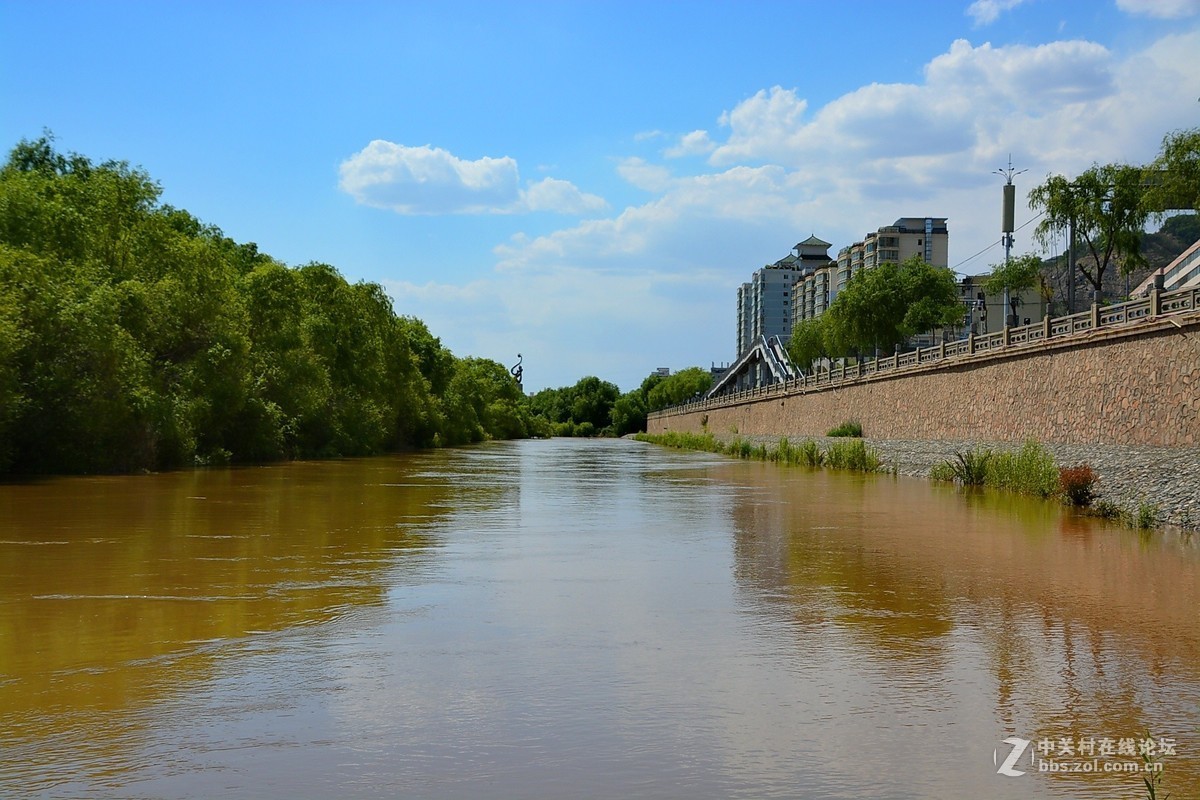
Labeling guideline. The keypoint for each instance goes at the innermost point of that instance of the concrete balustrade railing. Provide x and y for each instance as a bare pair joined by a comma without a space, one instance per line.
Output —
1132,312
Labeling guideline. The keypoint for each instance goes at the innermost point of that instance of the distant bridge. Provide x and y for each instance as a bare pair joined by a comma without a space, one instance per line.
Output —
765,364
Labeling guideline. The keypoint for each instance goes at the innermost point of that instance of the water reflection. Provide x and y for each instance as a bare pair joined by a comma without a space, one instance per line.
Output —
1063,626
118,591
573,618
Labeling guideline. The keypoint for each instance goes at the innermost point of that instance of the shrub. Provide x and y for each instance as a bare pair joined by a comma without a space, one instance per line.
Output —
1078,484
848,428
942,472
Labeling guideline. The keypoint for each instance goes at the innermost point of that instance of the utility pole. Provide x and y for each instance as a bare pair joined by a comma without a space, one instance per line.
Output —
1071,266
1007,226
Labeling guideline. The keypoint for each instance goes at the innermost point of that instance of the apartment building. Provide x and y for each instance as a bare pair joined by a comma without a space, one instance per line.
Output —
804,283
926,237
765,304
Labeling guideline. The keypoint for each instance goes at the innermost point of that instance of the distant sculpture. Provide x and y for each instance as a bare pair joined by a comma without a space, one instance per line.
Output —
517,370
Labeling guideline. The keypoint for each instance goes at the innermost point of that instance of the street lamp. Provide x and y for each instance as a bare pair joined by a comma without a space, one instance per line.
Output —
1008,226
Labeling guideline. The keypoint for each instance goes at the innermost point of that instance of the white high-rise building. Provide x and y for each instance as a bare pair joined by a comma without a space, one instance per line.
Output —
764,304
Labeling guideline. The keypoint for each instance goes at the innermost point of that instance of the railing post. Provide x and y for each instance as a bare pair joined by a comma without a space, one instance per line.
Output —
942,350
971,343
1156,295
1046,325
1095,316
1006,336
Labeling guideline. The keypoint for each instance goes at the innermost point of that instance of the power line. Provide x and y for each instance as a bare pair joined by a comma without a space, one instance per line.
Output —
997,242
977,255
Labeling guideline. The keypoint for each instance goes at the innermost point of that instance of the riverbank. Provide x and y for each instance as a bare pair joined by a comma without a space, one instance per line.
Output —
1167,478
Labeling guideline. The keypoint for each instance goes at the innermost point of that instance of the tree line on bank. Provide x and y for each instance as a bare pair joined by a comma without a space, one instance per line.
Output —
1108,206
135,337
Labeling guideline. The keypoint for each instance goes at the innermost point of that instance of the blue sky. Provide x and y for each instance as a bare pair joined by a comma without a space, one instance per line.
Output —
587,183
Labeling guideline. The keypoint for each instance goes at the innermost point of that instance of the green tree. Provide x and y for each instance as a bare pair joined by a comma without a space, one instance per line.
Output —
629,413
591,402
883,306
682,386
1106,205
931,295
134,336
867,313
807,342
1018,275
1174,177
483,401
584,409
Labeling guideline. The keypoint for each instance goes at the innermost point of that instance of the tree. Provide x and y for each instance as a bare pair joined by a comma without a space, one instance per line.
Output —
883,306
1105,205
931,295
808,341
681,387
1174,176
135,336
1021,273
867,313
629,413
592,401
483,402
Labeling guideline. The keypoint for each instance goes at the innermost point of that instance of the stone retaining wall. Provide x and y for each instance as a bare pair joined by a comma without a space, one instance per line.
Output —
1137,385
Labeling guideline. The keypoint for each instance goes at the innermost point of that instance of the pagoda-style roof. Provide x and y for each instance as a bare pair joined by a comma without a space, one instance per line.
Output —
813,241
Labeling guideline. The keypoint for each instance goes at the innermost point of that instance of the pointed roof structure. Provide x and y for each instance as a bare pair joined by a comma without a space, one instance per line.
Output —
812,253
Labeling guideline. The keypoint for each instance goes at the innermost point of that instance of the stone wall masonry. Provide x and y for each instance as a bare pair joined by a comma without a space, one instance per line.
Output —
1136,385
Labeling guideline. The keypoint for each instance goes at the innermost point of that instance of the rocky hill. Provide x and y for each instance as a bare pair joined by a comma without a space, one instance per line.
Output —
1174,236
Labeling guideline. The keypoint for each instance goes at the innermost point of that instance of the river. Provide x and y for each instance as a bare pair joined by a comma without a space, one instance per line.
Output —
583,619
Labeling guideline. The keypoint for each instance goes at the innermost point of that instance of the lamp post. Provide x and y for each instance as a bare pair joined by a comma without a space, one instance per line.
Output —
1007,227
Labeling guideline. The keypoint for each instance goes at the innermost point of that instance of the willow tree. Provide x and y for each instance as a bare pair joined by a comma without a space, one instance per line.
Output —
807,343
1105,206
1174,177
885,305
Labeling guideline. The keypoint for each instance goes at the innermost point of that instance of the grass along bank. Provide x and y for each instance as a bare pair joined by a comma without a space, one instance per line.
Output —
1146,486
851,454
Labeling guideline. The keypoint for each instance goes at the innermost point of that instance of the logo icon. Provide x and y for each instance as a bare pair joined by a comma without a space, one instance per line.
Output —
1008,768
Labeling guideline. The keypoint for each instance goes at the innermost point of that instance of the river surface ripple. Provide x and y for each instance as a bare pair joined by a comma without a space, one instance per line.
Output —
583,619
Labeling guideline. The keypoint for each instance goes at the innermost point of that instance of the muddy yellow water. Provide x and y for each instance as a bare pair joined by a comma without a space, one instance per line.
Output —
584,619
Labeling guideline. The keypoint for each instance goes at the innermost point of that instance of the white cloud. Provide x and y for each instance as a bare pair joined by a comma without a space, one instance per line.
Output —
643,175
985,12
968,93
764,126
551,194
695,143
1163,9
653,285
430,180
